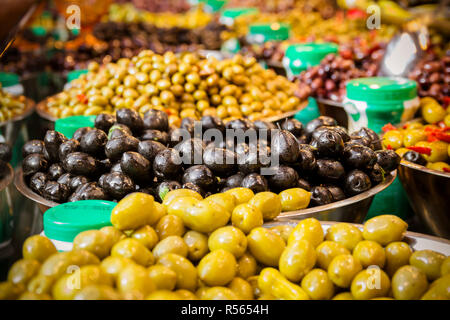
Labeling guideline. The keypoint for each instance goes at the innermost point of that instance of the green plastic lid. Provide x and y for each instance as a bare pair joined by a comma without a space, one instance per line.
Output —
303,56
8,79
381,89
75,74
270,31
39,31
237,12
65,221
214,5
68,126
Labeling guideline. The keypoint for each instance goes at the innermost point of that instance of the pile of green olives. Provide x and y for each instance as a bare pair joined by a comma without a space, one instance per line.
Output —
185,249
11,106
126,153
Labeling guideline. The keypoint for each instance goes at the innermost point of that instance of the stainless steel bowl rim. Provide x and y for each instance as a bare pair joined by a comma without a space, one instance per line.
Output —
8,178
425,169
29,110
21,186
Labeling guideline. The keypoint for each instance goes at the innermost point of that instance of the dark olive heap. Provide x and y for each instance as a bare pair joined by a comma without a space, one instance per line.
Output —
125,153
5,157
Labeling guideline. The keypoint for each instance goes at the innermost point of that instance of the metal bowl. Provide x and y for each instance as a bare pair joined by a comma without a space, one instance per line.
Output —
428,193
334,110
11,128
352,209
417,241
6,206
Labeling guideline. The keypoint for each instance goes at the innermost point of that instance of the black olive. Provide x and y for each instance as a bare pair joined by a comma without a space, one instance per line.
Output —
211,122
79,163
248,162
336,192
339,130
240,124
38,181
131,119
191,151
356,182
156,120
320,196
118,130
284,147
178,135
55,171
188,125
103,166
155,135
255,182
201,176
65,178
77,181
234,181
116,167
375,140
415,157
283,178
149,149
164,187
293,126
67,147
88,191
303,139
306,159
80,132
221,161
93,143
115,147
33,146
5,152
167,164
359,157
193,187
329,144
319,122
136,166
376,174
55,191
304,184
361,141
34,163
105,121
264,129
329,170
117,185
52,141
388,159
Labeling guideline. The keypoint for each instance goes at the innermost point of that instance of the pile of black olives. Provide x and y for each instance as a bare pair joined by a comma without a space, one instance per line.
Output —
125,153
5,157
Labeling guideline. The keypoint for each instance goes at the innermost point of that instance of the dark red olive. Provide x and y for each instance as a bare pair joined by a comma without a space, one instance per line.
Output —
304,184
375,140
284,147
376,174
191,151
336,192
329,144
77,181
306,160
319,122
155,135
88,191
118,130
65,178
234,181
211,122
194,187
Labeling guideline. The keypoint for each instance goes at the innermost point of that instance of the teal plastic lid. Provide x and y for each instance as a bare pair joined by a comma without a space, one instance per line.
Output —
39,31
214,5
8,79
65,221
270,31
237,12
75,74
381,89
303,56
68,126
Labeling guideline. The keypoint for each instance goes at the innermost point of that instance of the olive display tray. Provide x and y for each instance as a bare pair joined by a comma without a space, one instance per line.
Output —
29,108
42,106
417,241
353,209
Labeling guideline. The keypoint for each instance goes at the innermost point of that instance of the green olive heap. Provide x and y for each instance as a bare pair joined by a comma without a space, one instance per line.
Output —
11,106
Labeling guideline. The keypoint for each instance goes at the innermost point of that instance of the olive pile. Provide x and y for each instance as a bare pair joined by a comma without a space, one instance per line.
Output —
10,106
183,249
185,86
127,153
5,157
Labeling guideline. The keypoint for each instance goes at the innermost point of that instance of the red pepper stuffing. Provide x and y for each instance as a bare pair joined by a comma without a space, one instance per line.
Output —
82,98
431,137
446,169
388,127
421,150
389,147
442,136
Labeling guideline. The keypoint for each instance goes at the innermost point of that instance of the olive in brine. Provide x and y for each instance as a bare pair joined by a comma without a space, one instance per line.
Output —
284,146
93,143
415,157
77,181
65,178
52,141
116,147
201,176
191,151
164,187
149,149
104,121
356,182
88,191
55,191
155,135
67,147
167,164
38,181
255,182
388,159
283,178
131,119
319,122
136,166
329,144
55,171
375,140
80,132
359,157
156,120
293,126
79,163
221,161
33,146
118,130
329,170
118,185
34,163
320,196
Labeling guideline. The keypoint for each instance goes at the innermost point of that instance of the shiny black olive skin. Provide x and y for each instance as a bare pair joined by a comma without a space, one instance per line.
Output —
329,170
80,132
93,143
118,130
55,191
136,166
375,140
240,124
88,191
55,171
201,176
304,184
285,147
336,193
359,157
104,121
177,135
248,162
319,122
67,147
116,167
52,141
339,130
38,181
388,159
357,140
149,149
211,122
264,129
255,182
77,181
306,159
191,151
415,157
164,187
65,178
116,147
220,161
117,185
329,144
356,182
283,178
131,119
376,174
155,135
167,164
79,163
234,181
293,126
188,124
34,163
193,187
320,196
32,146
156,120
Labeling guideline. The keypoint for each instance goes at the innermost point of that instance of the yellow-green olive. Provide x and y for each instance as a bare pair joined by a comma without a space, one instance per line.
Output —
384,229
309,229
318,285
228,238
163,277
345,234
197,244
369,253
266,246
342,269
217,268
370,283
297,260
429,262
409,283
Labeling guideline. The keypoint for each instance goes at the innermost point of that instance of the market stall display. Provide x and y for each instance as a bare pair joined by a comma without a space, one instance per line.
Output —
6,178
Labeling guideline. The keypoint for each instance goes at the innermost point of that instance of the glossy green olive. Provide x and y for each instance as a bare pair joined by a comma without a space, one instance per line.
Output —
97,292
345,234
134,281
397,255
219,293
94,241
297,259
370,283
163,277
171,244
294,199
197,244
445,267
327,251
217,268
409,283
22,271
308,229
228,238
369,253
246,217
429,262
342,269
268,203
384,229
38,248
318,285
185,270
343,296
114,265
266,246
247,266
241,288
147,236
134,250
170,225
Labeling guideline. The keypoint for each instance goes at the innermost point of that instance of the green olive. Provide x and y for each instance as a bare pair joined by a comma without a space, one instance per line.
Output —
409,283
397,255
134,250
370,283
217,268
38,248
369,253
318,285
228,238
94,241
327,251
345,234
22,271
185,270
429,262
171,244
163,277
197,244
342,269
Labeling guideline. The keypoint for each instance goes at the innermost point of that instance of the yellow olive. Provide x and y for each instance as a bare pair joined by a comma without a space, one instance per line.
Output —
169,225
294,199
393,139
147,236
445,267
246,217
226,200
273,283
38,248
241,288
397,255
384,229
133,211
113,234
409,283
429,262
171,244
41,284
114,265
342,269
10,291
343,296
438,290
163,277
94,241
22,271
318,285
134,250
217,268
242,195
97,292
370,283
345,234
135,281
185,270
230,239
283,231
186,295
197,244
327,250
163,295
268,203
266,246
297,260
247,266
369,253
309,229
219,293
